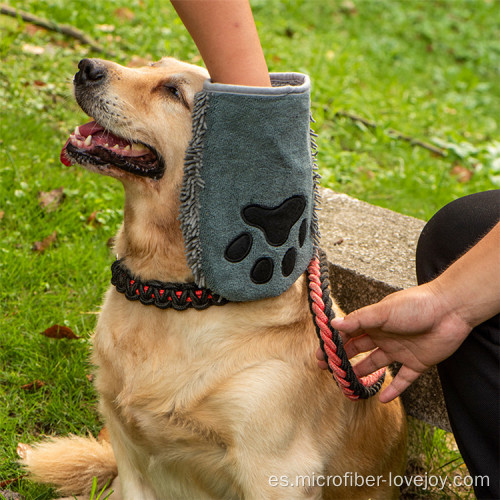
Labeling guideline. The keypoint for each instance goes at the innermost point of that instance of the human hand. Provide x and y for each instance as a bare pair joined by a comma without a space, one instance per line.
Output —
417,327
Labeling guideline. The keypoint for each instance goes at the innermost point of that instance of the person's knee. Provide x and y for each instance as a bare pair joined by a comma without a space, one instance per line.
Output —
453,230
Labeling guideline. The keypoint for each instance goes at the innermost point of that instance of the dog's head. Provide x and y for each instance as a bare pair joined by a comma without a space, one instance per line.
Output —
142,118
139,134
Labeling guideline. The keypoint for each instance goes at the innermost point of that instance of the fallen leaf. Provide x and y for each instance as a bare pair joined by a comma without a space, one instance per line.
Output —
2,213
32,29
92,220
462,173
39,83
339,241
33,49
41,246
90,377
50,200
60,332
124,13
36,384
65,43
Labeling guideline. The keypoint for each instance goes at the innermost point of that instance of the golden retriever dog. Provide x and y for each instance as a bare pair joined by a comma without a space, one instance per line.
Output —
224,403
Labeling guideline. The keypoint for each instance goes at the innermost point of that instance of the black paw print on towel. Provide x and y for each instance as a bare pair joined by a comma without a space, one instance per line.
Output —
276,224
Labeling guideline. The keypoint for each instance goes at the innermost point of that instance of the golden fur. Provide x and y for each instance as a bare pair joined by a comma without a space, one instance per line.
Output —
209,404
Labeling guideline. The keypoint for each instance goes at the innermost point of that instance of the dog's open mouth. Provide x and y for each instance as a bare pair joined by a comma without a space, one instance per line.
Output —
92,144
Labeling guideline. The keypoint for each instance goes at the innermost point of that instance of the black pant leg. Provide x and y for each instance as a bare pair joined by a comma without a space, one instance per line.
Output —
471,376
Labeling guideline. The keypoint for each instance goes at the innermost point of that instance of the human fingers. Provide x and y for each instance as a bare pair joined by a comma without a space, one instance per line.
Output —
404,378
321,359
363,343
375,360
355,323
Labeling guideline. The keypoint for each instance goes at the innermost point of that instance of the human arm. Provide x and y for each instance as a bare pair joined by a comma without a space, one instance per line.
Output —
226,36
422,326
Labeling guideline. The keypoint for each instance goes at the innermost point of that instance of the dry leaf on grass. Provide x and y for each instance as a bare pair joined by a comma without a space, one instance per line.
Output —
5,483
462,174
92,220
32,386
50,200
60,332
32,29
124,13
41,246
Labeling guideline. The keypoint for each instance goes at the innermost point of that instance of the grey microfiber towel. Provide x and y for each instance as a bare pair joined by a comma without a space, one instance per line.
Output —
250,188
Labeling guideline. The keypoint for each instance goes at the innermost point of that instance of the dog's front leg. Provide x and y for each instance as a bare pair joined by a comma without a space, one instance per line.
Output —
114,489
129,484
281,479
283,492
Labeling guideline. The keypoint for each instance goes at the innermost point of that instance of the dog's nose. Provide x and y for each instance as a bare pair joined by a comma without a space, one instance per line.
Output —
91,71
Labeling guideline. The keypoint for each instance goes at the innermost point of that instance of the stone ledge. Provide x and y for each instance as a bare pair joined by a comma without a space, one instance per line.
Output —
372,253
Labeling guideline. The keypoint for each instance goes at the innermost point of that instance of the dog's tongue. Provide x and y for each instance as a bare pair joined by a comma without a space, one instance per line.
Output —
90,128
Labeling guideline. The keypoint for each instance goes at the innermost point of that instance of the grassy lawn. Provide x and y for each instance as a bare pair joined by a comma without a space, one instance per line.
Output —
428,70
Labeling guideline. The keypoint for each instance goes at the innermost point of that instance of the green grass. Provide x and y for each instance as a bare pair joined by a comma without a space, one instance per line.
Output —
427,69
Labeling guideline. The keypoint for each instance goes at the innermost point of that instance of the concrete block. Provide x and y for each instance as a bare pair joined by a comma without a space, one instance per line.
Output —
372,253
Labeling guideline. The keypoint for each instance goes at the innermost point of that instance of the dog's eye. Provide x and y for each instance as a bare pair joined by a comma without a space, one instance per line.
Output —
172,89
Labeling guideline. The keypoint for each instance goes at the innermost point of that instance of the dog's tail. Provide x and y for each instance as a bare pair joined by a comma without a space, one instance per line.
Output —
70,463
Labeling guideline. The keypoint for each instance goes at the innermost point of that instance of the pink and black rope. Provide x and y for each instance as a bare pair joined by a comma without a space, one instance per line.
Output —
331,344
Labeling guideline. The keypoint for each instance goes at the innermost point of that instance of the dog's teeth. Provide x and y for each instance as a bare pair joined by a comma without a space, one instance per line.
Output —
79,143
106,145
77,131
138,147
88,140
127,148
116,146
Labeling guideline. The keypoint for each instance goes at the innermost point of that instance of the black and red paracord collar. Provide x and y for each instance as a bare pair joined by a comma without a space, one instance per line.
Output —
181,296
178,296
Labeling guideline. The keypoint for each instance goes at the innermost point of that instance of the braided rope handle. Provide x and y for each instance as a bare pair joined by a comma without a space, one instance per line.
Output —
331,343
